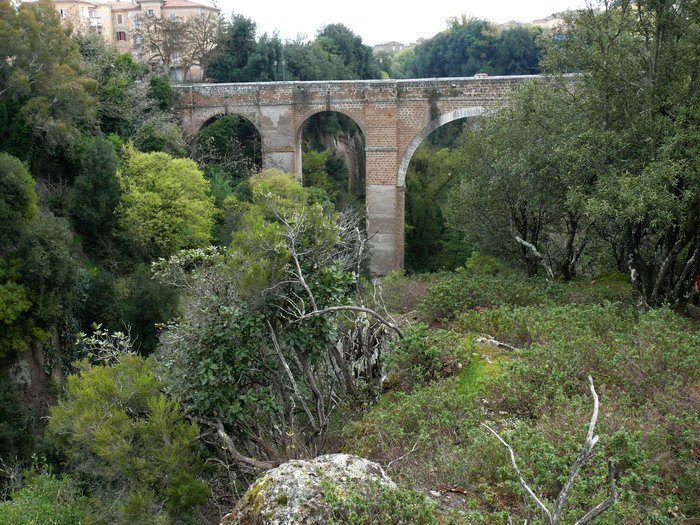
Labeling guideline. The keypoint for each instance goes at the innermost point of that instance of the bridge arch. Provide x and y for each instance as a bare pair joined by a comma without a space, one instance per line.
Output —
213,114
355,116
463,113
353,152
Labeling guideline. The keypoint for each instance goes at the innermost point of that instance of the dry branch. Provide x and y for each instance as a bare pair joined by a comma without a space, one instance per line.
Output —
591,439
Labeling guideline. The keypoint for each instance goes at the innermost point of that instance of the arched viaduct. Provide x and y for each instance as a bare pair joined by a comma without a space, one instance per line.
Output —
394,116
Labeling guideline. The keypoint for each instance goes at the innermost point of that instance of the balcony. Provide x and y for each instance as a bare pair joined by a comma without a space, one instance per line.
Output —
95,21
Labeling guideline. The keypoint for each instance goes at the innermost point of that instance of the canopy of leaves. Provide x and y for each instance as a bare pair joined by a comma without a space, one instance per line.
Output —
45,102
165,204
471,46
335,53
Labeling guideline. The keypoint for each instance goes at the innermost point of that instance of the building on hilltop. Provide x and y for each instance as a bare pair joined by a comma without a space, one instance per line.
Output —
388,48
171,35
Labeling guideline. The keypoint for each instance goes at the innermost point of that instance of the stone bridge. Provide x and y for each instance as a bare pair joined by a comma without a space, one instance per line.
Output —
395,116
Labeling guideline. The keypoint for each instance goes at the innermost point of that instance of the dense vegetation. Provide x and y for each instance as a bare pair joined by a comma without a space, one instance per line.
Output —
174,320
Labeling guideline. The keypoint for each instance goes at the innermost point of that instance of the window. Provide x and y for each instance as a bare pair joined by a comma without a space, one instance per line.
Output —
120,18
138,41
62,12
173,17
137,22
150,12
91,13
82,12
121,36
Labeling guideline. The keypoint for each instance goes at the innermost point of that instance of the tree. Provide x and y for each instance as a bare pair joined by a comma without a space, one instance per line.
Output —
236,45
165,204
48,269
337,39
525,175
18,201
162,39
471,46
641,66
200,38
260,356
45,102
97,193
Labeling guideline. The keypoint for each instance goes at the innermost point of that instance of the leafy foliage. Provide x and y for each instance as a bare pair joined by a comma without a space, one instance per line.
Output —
130,442
46,103
97,193
15,423
471,46
335,53
244,355
45,496
646,200
164,206
18,200
643,362
368,504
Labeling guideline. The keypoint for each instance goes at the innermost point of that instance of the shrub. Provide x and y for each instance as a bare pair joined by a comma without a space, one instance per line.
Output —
45,499
426,355
466,290
129,443
373,503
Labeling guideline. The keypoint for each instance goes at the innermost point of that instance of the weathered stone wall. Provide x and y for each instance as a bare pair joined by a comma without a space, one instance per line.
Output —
395,116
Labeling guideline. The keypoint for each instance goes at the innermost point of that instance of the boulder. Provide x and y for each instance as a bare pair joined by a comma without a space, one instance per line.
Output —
294,492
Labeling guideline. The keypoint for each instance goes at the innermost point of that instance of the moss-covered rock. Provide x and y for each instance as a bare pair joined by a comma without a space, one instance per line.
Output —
295,492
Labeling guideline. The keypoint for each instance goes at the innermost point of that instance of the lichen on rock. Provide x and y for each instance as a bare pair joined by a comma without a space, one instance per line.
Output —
294,492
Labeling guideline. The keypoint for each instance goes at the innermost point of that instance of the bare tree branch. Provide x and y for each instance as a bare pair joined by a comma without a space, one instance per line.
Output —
351,308
525,486
591,439
606,503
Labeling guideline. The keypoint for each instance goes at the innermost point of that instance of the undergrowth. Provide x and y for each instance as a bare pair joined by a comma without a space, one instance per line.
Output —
442,385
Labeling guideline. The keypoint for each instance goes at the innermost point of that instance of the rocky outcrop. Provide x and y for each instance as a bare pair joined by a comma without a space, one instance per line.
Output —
294,492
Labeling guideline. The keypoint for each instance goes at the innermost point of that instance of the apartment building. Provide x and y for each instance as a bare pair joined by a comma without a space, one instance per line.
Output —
120,23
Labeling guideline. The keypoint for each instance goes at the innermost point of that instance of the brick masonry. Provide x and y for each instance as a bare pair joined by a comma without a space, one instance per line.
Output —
395,116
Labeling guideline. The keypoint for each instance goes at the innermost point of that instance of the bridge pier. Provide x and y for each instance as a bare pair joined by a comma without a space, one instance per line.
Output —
282,159
385,223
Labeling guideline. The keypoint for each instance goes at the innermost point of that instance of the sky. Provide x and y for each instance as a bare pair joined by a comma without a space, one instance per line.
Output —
378,21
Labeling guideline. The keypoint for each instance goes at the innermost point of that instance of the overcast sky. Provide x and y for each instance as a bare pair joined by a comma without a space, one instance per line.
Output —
379,21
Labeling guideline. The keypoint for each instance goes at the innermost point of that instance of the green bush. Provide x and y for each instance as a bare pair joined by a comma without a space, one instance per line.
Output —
129,443
373,503
465,290
645,367
426,355
45,498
